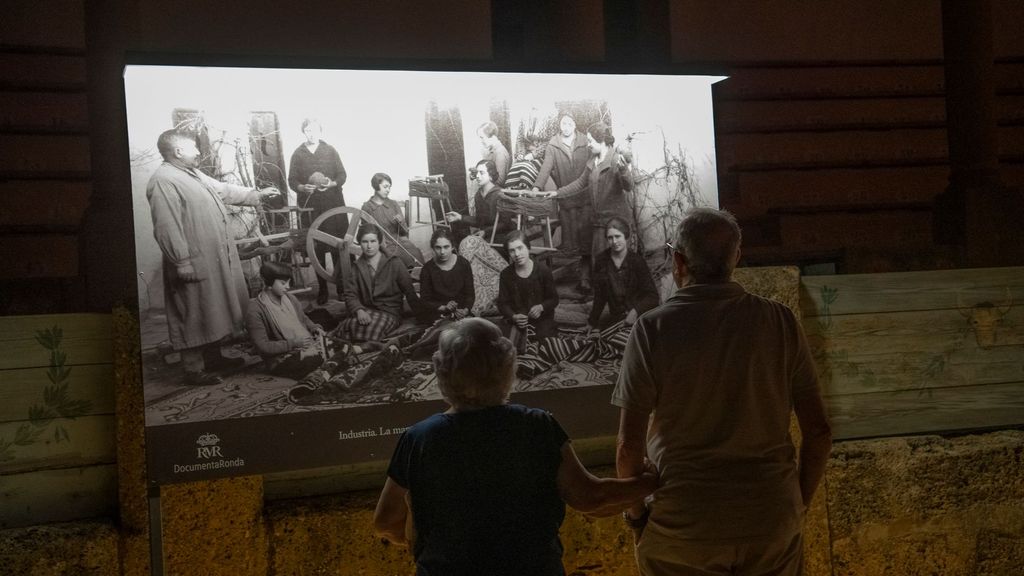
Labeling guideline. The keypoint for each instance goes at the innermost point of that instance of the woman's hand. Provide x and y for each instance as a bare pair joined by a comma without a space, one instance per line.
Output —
536,310
363,317
461,313
630,317
592,332
453,216
520,320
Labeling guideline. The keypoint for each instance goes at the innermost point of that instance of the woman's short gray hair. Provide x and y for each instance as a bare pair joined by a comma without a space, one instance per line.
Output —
708,238
475,364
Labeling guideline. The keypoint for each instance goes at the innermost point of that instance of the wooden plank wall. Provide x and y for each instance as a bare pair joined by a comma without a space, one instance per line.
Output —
917,352
57,443
44,154
899,353
842,161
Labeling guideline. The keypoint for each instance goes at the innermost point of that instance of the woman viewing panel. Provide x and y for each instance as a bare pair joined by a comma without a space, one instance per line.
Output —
485,203
526,290
388,214
622,281
446,281
608,179
374,291
317,175
482,487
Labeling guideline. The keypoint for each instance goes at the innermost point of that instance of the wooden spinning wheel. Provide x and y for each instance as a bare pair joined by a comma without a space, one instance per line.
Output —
346,245
342,247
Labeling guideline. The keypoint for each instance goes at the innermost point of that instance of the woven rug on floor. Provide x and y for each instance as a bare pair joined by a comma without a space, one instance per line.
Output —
240,395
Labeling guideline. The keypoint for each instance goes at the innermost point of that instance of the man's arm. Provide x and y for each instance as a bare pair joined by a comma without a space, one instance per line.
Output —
392,515
600,496
817,440
630,450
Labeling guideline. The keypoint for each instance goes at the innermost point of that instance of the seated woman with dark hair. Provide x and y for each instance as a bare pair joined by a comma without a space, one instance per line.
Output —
526,292
389,216
374,292
482,488
287,340
485,203
621,280
446,282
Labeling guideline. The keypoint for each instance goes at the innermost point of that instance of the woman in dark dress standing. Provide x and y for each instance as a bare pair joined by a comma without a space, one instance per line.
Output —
317,175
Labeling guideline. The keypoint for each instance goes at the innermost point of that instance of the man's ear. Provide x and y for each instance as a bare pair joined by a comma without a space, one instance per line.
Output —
736,260
680,271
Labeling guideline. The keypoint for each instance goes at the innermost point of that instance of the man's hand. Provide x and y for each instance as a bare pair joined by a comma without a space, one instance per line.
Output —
307,188
363,317
461,313
536,310
592,332
521,320
454,216
187,273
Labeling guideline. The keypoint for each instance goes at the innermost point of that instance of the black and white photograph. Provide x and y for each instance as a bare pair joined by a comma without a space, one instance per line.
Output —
304,236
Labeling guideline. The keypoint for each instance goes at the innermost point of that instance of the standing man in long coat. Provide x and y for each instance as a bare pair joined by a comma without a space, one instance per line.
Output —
204,289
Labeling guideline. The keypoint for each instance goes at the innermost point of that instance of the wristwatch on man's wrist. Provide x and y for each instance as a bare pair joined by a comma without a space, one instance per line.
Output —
636,523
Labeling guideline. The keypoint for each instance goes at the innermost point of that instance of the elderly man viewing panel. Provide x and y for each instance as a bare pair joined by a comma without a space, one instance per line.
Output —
204,289
721,370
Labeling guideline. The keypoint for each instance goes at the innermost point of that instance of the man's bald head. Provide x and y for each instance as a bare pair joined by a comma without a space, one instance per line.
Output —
169,140
709,240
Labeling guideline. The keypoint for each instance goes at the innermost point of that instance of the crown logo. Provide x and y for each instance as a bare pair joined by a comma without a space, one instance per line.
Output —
208,440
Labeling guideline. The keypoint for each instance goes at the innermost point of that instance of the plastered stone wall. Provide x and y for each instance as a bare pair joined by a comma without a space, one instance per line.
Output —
928,505
79,548
900,506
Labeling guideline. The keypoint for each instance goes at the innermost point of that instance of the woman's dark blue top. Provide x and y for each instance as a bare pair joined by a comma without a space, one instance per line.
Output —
484,492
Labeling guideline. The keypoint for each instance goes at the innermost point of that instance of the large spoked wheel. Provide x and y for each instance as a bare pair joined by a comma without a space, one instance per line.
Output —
341,247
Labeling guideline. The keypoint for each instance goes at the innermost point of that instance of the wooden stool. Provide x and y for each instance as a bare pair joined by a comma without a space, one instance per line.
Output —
434,189
513,202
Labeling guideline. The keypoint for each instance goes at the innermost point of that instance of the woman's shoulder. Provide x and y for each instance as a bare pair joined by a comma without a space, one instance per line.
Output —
537,416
